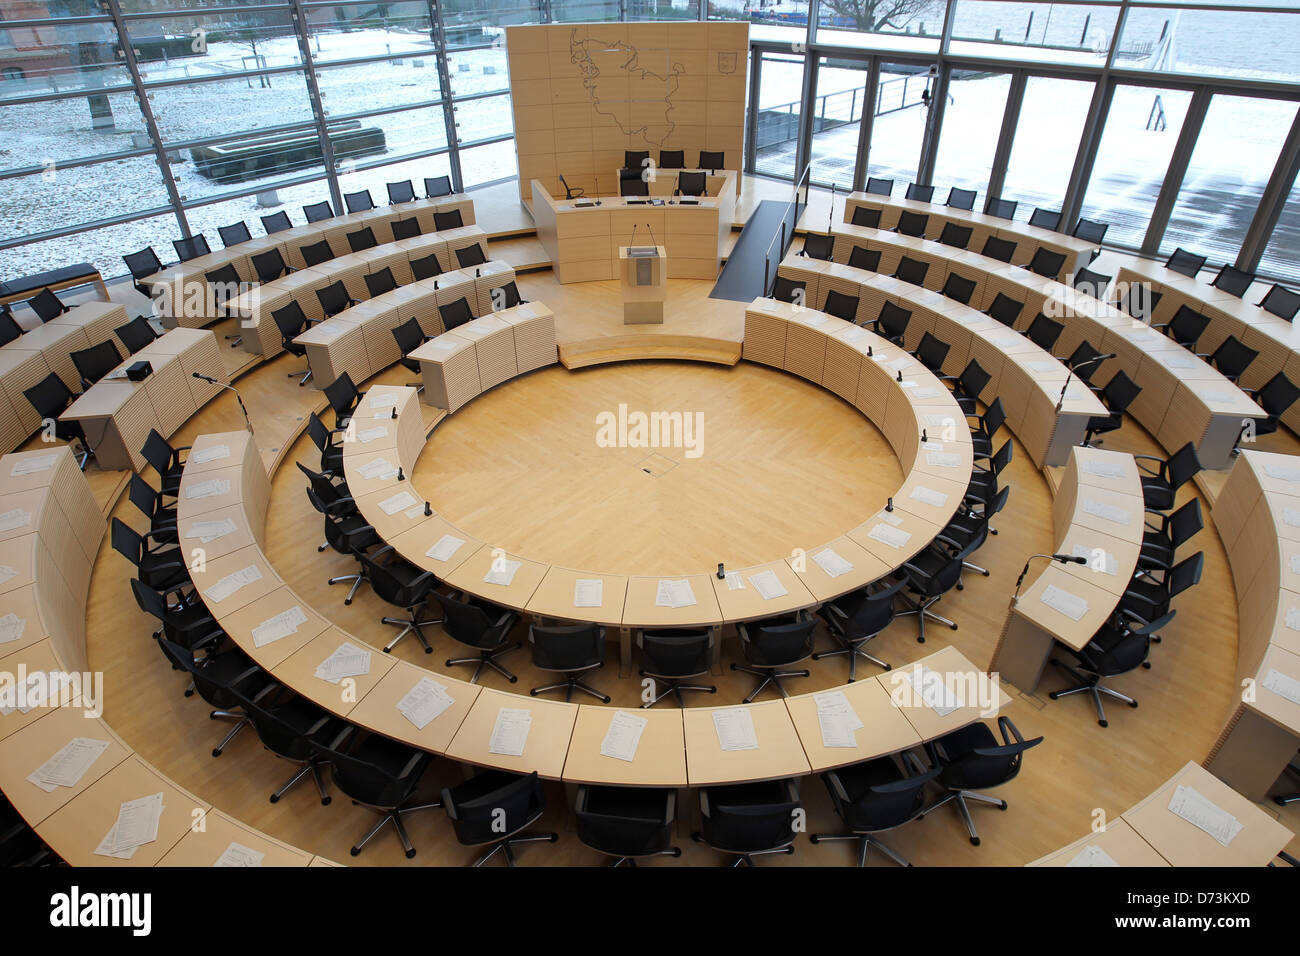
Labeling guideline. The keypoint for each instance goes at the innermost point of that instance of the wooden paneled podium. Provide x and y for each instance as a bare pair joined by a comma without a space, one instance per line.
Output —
645,287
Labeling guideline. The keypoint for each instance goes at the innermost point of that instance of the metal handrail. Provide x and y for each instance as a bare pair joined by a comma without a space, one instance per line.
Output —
797,207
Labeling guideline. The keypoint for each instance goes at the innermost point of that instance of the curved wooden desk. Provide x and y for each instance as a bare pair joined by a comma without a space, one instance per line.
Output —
1097,513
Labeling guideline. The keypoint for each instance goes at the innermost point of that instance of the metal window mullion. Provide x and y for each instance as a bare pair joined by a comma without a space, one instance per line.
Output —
146,110
1095,124
751,118
938,103
867,124
1177,170
1271,203
803,147
299,16
1007,135
814,15
448,97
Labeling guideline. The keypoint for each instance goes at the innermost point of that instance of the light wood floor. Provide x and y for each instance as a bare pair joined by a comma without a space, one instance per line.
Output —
1080,767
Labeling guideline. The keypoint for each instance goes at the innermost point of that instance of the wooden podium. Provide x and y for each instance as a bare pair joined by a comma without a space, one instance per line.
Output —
644,271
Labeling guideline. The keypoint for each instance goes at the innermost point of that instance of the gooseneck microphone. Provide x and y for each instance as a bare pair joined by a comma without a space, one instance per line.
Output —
1095,360
1062,558
220,384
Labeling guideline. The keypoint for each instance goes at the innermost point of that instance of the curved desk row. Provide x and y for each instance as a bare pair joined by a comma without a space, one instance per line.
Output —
49,698
1097,514
30,358
1257,515
173,290
255,306
1183,398
1151,834
678,748
1028,379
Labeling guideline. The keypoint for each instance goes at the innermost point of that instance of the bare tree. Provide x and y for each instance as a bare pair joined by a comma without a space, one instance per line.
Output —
879,14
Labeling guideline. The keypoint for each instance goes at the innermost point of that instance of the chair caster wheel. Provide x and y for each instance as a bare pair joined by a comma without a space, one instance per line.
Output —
1004,805
428,650
410,854
325,801
713,690
388,650
986,574
321,548
447,663
920,640
514,680
606,700
1102,723
733,667
1146,665
1134,705
850,680
953,627
274,798
347,602
974,841
813,839
189,693
355,851
961,587
555,838
532,693
889,667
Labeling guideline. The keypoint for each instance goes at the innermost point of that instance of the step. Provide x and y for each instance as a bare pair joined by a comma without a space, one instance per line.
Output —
632,348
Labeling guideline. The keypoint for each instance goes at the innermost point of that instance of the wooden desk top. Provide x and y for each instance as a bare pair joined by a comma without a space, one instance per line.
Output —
1119,841
886,728
866,568
744,603
779,753
298,670
377,710
967,683
640,610
23,752
1270,704
239,625
1101,603
469,576
102,400
553,597
548,736
205,846
660,759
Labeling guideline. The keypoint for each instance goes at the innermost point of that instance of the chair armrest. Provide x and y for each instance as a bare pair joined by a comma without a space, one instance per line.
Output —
339,738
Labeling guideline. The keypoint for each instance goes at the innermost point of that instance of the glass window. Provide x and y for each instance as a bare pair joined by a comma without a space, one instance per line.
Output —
485,164
219,108
366,87
58,57
53,199
1214,42
780,83
837,119
900,25
474,22
1034,32
51,133
377,179
1141,131
1282,254
484,119
102,248
583,11
201,46
479,71
206,219
1234,157
902,111
1047,140
654,10
362,30
972,122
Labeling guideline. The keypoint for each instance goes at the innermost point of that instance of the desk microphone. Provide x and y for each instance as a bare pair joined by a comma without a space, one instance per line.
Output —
220,384
632,242
394,415
1062,558
400,476
1095,360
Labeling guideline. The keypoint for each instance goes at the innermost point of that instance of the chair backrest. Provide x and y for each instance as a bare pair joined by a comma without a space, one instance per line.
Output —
819,246
974,379
919,193
1277,395
1045,219
874,613
1005,309
1002,208
358,201
427,268
1047,263
234,234
455,314
269,265
882,806
1091,283
1233,281
405,590
956,235
863,258
362,239
471,256
10,330
912,223
1186,263
224,284
1089,230
984,767
405,228
912,270
787,289
143,496
879,187
47,305
191,248
994,417
323,488
1004,250
893,320
1281,301
150,601
571,192
1001,458
778,644
676,653
566,647
672,158
290,320
377,283
409,336
619,820
143,263
1185,574
841,306
400,192
158,453
334,298
378,771
342,395
692,183
1185,523
1044,332
317,252
632,185
283,728
1233,357
317,212
1120,392
435,186
1140,301
96,362
450,219
959,288
961,198
50,396
1182,466
126,541
866,216
319,432
1187,325
496,814
932,352
635,159
1084,361
465,622
712,159
276,222
509,298
749,817
136,334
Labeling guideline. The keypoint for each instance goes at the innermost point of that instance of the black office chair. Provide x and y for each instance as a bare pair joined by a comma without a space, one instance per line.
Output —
482,626
749,819
866,217
362,239
335,299
1046,263
876,796
1117,396
818,246
188,625
971,760
932,352
455,314
961,198
958,237
399,193
1003,250
673,657
161,568
141,265
1140,302
1284,800
381,774
270,265
571,650
983,486
771,645
378,283
1231,358
191,248
712,159
879,187
863,258
841,306
405,228
1002,208
344,398
892,322
912,270
1185,327
1275,396
10,330
970,385
912,224
920,193
276,222
216,679
930,575
1233,281
426,268
494,809
1089,230
398,582
166,460
224,286
1117,648
471,256
1150,593
292,322
1084,360
436,187
1160,486
1091,283
509,297
672,159
572,192
50,397
297,730
347,533
1160,542
1044,332
331,452
631,184
410,337
234,234
959,288
317,253
692,184
1281,301
1185,263
152,504
1045,219
970,529
318,212
47,305
1005,309
986,428
789,290
627,823
855,619
636,159
95,362
358,201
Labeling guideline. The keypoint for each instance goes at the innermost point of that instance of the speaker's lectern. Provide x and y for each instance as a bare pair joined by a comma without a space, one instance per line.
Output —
644,284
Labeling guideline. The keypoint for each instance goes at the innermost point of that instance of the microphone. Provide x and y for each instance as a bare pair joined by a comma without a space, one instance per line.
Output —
632,242
207,378
1095,360
653,241
220,384
1062,558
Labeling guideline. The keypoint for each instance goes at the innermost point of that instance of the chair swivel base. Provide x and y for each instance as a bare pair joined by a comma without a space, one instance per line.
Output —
865,842
395,818
922,611
675,686
673,851
357,580
306,377
1091,684
853,649
569,685
747,859
1287,800
241,721
768,675
412,625
967,566
507,846
310,767
960,797
488,659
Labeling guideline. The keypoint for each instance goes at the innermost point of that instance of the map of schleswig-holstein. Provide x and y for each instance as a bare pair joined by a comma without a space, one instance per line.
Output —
652,87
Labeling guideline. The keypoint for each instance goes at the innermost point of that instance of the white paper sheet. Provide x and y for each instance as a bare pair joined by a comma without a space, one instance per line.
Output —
1092,856
735,729
209,531
7,574
623,736
1071,605
928,496
15,518
1194,807
837,719
930,687
942,459
280,626
502,572
894,537
424,702
210,488
348,660
30,466
1103,469
239,855
378,468
399,501
1110,562
136,825
202,456
588,592
11,627
371,434
445,547
768,585
1104,511
69,764
232,582
674,593
832,562
510,732
1282,685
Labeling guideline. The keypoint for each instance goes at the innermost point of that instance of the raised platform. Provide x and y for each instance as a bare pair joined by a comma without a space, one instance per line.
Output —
632,347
